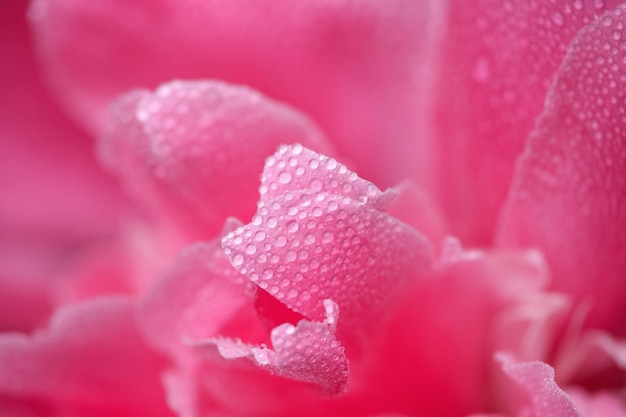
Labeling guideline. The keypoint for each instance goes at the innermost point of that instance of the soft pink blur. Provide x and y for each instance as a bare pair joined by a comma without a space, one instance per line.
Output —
196,217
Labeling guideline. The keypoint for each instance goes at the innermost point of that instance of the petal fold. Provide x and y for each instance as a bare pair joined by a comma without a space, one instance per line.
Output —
307,352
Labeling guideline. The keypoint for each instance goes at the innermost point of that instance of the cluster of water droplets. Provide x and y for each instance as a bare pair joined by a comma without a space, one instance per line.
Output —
319,234
308,352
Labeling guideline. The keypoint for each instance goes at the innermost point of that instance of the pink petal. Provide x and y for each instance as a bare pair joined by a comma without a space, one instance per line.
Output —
358,68
192,151
498,60
201,296
91,361
322,238
416,207
602,404
545,398
55,200
432,357
569,197
307,352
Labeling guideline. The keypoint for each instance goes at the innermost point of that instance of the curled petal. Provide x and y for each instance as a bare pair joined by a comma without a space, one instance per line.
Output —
296,168
569,193
307,352
308,245
192,151
201,296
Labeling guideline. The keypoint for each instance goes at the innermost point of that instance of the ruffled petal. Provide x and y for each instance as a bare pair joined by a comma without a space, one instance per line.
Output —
324,238
497,61
544,396
569,194
307,352
90,361
192,151
201,296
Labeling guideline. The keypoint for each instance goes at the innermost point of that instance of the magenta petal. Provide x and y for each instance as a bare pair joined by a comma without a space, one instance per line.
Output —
358,68
307,352
54,198
569,197
326,240
192,151
545,398
498,59
90,361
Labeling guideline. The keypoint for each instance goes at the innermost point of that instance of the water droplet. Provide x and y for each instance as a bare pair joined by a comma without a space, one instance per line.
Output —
327,237
284,177
272,222
314,163
315,184
280,241
297,149
291,256
292,226
238,259
251,249
331,164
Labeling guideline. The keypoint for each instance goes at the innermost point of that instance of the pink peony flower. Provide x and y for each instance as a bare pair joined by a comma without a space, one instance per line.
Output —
315,208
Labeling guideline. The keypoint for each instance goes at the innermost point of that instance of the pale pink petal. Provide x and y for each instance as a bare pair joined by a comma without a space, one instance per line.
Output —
357,68
193,151
201,296
90,361
416,207
569,195
296,168
600,404
497,60
55,200
307,352
309,244
544,397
